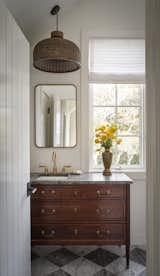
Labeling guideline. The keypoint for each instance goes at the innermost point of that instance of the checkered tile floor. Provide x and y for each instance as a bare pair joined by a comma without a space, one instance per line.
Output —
86,261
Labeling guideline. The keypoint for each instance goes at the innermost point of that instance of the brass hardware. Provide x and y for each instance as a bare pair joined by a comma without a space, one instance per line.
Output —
75,209
109,211
53,211
45,169
42,211
67,169
42,232
98,193
55,171
43,192
108,192
76,193
75,232
53,232
98,232
53,192
108,232
100,210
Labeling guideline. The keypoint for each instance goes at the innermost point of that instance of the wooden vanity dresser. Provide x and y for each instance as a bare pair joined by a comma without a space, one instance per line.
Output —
83,210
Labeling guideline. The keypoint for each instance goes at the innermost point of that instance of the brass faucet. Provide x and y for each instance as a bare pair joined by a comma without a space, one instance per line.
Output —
55,171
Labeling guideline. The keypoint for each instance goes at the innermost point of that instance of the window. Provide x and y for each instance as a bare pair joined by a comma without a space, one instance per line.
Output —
116,85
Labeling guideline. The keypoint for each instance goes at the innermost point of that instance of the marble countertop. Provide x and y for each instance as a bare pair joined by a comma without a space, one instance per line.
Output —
86,178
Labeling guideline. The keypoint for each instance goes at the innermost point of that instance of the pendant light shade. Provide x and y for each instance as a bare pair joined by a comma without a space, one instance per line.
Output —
56,54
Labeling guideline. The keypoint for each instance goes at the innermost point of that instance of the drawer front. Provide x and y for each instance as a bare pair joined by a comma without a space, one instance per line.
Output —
110,232
99,210
77,192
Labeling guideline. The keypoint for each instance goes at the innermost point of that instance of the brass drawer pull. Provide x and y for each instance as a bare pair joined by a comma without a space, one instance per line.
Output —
53,232
102,210
43,192
53,192
75,232
53,211
108,232
75,209
108,192
98,192
109,211
42,211
98,232
42,232
76,193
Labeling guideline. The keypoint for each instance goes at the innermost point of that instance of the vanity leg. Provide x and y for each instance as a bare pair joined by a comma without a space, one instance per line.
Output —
127,255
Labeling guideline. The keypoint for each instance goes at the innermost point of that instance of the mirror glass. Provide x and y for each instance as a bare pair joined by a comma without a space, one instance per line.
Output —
55,115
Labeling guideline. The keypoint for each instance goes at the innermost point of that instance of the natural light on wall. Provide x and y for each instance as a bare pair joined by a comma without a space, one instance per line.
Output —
116,86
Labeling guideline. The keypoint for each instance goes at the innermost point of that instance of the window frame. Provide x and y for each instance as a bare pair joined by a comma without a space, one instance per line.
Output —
142,165
141,135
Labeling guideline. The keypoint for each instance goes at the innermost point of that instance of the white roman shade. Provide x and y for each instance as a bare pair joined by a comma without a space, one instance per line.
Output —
116,60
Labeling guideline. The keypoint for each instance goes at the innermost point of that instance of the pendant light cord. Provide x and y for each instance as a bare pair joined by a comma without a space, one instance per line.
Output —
57,21
55,10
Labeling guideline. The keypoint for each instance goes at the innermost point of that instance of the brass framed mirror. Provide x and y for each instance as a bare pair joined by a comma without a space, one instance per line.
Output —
55,115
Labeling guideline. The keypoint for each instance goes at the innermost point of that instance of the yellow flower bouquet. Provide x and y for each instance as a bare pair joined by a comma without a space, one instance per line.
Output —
104,137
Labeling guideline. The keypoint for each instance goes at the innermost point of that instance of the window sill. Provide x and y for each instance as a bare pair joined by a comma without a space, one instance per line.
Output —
136,174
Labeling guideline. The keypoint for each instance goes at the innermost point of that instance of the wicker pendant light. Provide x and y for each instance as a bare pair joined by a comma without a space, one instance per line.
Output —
56,54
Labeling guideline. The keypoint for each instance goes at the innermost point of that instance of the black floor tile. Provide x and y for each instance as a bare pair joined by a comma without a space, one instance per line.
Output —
101,257
139,256
61,257
59,273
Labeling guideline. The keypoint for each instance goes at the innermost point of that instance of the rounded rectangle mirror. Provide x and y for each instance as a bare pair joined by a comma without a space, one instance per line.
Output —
55,115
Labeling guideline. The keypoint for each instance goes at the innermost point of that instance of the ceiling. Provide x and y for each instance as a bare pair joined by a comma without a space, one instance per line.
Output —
29,13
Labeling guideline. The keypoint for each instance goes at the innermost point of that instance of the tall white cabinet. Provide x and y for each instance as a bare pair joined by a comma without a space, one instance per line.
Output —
14,148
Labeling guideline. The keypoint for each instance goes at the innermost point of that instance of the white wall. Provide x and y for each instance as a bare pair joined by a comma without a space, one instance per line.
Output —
123,18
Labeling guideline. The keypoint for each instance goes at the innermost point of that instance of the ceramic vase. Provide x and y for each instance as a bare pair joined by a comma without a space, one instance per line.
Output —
107,161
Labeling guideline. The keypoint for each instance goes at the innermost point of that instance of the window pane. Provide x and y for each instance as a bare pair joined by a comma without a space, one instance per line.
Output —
103,94
128,152
103,115
97,157
128,120
129,94
119,104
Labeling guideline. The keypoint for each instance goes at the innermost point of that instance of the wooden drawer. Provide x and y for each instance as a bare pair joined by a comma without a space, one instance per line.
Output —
78,192
80,232
100,210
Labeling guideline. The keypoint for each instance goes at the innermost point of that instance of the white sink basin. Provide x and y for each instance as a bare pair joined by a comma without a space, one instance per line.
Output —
51,178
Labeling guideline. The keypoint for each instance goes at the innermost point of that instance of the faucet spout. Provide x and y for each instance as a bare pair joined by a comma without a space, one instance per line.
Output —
54,159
